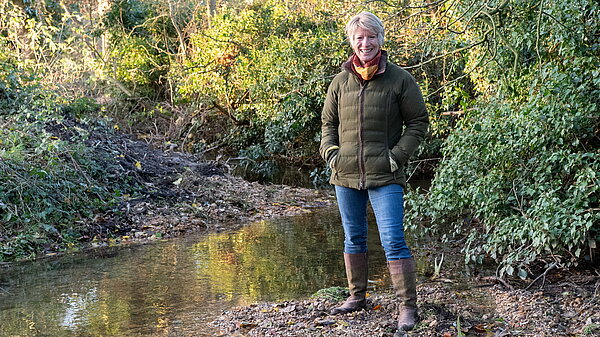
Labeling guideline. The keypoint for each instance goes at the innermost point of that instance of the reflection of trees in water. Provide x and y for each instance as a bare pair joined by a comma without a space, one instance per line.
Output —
145,289
271,261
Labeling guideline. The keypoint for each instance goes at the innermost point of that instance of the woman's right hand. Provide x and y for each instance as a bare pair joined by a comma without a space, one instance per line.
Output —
332,159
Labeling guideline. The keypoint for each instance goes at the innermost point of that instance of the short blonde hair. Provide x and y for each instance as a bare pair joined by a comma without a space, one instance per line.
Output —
368,21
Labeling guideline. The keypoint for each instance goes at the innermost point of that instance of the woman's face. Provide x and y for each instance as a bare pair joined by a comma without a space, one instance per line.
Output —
365,44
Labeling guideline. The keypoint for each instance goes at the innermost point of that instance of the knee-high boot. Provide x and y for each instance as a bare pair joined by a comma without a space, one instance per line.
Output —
357,266
405,285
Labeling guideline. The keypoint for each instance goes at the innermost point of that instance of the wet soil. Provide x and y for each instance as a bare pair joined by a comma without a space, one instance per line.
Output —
567,305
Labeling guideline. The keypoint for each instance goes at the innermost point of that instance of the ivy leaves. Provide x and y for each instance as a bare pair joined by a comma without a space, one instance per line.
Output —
520,175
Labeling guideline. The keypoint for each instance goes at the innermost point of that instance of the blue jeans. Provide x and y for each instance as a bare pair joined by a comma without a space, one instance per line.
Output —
388,205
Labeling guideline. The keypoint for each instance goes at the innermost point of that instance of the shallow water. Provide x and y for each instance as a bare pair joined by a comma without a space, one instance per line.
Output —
167,288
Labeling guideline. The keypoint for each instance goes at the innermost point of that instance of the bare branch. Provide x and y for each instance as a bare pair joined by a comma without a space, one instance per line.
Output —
449,53
543,275
182,48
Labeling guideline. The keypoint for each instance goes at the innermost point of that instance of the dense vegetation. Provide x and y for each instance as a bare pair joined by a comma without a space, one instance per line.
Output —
51,177
512,86
519,177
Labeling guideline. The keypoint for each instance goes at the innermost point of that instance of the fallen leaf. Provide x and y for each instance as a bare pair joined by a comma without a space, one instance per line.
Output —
246,325
325,322
480,328
289,308
377,307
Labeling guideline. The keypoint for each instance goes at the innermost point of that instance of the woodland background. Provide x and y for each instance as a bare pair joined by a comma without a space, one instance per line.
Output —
512,88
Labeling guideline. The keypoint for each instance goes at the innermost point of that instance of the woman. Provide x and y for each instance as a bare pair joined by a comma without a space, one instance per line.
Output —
373,119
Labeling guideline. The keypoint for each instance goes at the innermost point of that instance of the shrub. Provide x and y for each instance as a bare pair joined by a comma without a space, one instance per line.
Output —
519,178
50,180
267,72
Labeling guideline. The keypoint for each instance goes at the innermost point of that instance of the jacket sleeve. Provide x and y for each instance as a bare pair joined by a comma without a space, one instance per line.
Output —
329,124
415,119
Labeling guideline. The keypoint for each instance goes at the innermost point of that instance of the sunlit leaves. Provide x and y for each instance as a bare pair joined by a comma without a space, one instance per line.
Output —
269,70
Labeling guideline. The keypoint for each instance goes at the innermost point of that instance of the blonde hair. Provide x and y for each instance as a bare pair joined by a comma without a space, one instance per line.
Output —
368,21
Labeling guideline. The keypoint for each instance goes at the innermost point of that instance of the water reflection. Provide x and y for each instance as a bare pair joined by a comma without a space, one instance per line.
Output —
173,288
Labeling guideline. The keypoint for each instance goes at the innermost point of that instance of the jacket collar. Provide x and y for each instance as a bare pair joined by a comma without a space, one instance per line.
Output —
347,66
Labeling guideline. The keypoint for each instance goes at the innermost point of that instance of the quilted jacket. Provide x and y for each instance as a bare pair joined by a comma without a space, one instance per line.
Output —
368,126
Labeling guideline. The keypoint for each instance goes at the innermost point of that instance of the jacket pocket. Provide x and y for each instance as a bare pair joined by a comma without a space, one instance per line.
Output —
394,166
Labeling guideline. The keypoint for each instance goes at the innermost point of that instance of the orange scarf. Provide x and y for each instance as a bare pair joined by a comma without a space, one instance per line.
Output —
369,69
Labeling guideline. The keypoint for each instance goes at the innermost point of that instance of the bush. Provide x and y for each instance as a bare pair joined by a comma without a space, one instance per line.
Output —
267,72
519,178
50,180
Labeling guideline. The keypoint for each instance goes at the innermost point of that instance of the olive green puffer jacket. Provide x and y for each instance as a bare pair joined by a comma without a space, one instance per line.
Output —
370,127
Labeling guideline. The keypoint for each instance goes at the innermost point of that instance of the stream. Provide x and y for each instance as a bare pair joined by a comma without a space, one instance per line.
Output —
177,287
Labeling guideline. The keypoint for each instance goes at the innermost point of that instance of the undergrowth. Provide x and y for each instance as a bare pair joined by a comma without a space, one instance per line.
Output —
52,180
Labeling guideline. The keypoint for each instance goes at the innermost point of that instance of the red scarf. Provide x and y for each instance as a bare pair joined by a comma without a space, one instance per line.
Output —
369,69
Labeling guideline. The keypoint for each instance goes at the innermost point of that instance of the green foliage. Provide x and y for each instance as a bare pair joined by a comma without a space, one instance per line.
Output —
142,42
268,72
591,329
332,293
139,66
520,175
50,179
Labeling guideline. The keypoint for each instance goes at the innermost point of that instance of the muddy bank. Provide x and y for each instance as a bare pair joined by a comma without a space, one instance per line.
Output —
568,305
205,203
171,193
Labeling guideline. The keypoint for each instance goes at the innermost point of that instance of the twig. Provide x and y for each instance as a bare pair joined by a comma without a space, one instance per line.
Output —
498,279
543,275
446,54
419,164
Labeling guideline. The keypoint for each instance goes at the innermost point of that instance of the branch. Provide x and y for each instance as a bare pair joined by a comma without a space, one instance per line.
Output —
555,19
144,23
223,41
498,279
449,53
543,275
419,164
466,73
179,34
229,114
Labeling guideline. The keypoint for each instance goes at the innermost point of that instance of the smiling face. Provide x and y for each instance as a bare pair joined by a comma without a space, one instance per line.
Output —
365,44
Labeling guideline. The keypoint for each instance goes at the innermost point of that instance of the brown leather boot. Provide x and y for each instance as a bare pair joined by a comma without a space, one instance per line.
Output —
405,285
356,272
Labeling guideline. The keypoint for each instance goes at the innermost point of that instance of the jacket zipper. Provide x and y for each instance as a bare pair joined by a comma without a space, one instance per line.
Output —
361,150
